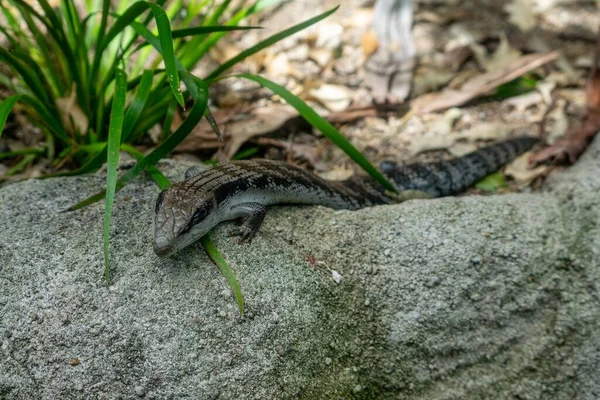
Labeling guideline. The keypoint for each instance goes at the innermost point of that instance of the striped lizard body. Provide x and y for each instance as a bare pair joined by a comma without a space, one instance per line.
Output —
189,209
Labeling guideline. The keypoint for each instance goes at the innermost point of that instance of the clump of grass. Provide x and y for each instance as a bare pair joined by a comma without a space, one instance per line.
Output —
97,63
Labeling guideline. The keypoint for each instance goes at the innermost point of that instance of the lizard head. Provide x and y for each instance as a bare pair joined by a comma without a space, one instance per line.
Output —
181,219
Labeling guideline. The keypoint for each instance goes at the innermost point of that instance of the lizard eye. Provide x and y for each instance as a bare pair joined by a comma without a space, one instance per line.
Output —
159,201
199,215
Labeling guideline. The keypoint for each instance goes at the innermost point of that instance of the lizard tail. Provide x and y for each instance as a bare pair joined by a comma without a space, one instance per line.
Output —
447,178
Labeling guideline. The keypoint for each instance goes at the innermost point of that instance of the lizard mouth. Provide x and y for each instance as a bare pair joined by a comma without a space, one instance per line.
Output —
163,251
162,248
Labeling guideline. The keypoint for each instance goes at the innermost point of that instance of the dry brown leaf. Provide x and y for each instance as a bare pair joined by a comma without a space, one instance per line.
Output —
522,14
559,122
504,55
488,131
238,126
480,85
337,173
74,119
308,152
496,131
519,169
524,101
429,78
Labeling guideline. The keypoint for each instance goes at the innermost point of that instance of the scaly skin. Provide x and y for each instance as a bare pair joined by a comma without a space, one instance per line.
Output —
189,209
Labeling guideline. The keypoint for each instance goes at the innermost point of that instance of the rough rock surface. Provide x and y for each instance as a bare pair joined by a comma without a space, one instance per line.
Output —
472,297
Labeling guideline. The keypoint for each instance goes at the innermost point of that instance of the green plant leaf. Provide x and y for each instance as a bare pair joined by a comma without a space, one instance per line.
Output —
33,150
21,165
5,109
166,44
101,43
137,104
195,115
27,73
325,127
203,30
226,271
59,35
186,76
195,49
214,17
516,87
268,42
154,172
131,117
114,144
166,131
46,117
492,182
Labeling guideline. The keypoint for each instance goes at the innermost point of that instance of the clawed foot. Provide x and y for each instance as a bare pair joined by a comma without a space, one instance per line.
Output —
244,232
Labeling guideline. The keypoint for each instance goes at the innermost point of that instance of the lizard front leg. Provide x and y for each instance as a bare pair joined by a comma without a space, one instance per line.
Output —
253,214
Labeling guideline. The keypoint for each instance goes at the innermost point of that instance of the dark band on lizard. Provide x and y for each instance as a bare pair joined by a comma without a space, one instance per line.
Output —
189,209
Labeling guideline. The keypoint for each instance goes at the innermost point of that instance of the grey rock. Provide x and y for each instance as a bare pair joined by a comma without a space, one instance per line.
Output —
505,305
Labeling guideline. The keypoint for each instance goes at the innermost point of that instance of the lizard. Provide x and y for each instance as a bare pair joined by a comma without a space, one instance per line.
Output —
189,209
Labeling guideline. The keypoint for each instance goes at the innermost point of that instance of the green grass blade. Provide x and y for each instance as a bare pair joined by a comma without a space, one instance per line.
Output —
167,51
5,109
122,22
325,127
32,150
21,165
214,17
195,115
114,144
203,30
166,131
44,115
58,33
131,117
226,271
137,104
492,182
31,79
49,55
101,43
198,46
268,42
154,172
76,29
185,75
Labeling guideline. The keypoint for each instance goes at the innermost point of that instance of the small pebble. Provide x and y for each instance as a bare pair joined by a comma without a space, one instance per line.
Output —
435,281
222,314
336,276
139,390
387,252
357,389
414,315
328,360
